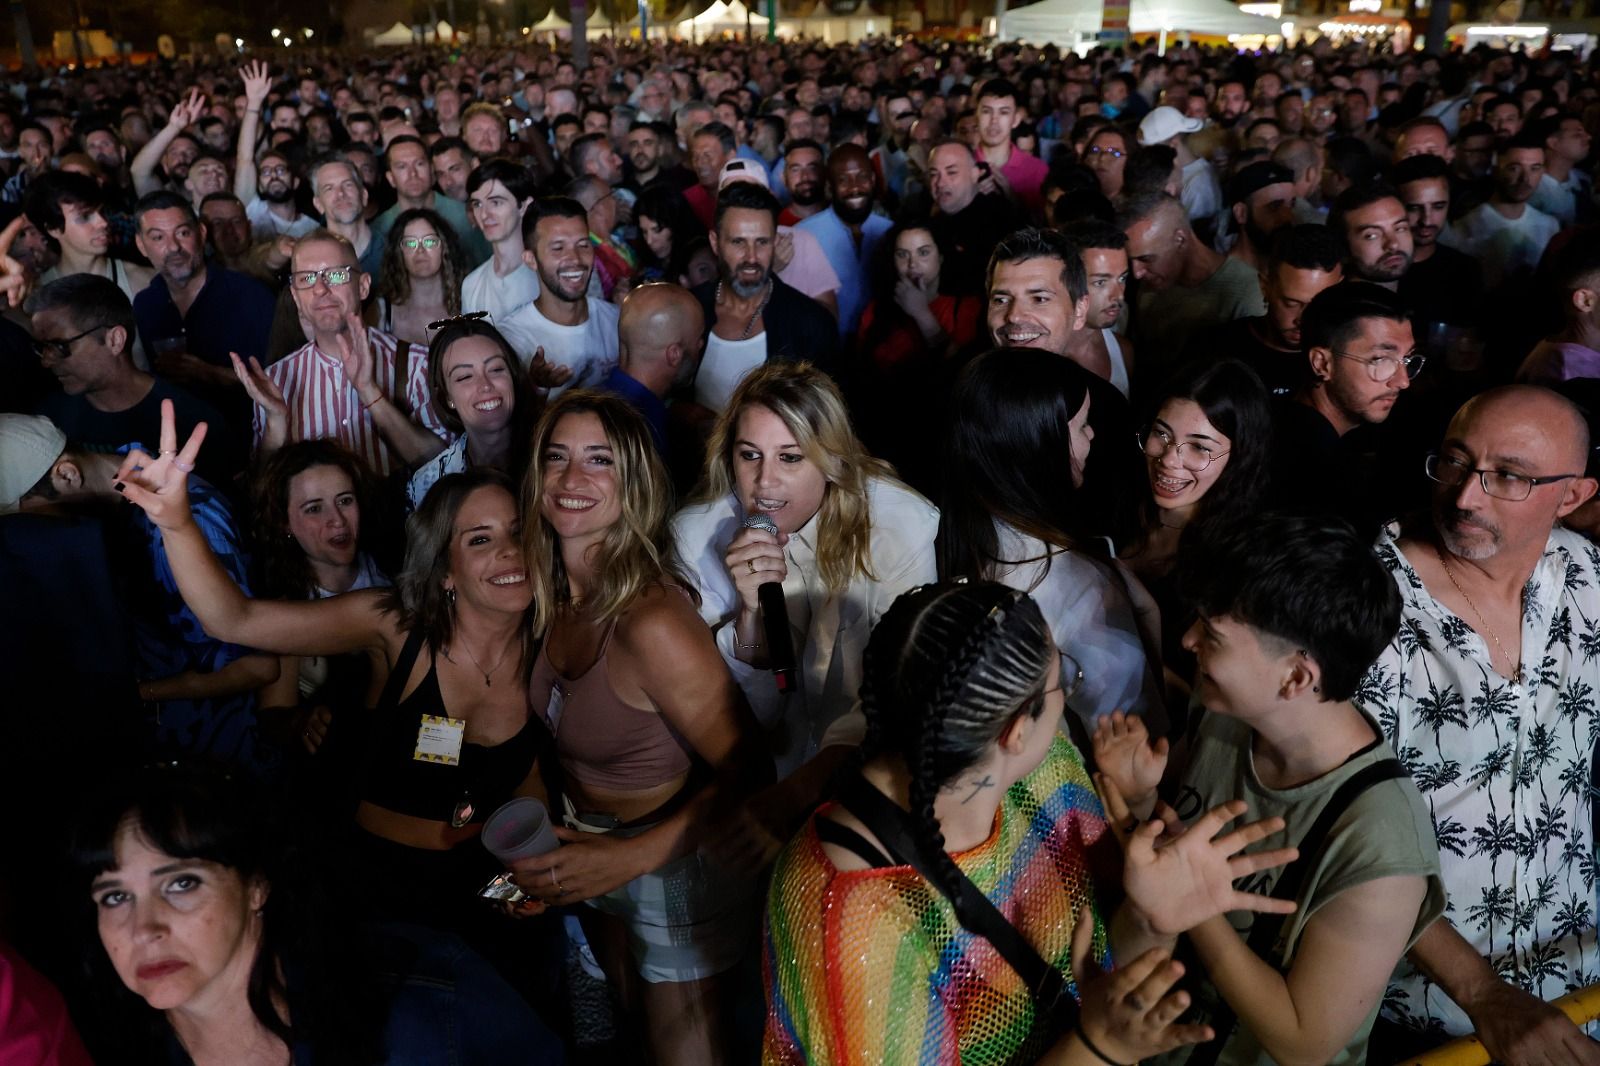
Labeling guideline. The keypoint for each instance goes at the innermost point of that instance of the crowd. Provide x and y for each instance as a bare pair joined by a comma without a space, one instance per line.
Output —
980,554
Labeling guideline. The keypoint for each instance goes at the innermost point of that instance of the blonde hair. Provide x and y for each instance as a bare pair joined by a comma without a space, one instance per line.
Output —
809,403
635,551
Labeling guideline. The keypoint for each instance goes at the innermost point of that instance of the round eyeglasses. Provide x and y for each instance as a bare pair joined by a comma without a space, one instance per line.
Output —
1384,367
1192,456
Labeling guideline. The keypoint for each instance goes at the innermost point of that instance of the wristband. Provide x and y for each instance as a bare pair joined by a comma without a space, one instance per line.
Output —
374,403
1083,1037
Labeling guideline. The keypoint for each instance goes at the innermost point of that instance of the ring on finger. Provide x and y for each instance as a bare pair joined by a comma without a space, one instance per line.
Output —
751,563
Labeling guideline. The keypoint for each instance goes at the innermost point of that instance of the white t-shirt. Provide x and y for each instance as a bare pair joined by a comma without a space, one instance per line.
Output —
589,348
1504,246
484,290
264,225
726,363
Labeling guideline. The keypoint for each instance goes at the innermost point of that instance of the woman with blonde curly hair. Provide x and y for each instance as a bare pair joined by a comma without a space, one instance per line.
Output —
849,538
650,732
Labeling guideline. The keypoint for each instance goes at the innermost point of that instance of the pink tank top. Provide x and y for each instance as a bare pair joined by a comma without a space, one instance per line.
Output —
601,741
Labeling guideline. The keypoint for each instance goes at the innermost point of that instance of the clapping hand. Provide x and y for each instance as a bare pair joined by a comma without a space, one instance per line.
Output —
356,360
1123,753
1131,1013
160,485
1188,878
545,374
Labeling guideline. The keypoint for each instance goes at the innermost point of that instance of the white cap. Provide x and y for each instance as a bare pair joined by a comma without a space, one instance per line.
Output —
741,169
29,447
1165,123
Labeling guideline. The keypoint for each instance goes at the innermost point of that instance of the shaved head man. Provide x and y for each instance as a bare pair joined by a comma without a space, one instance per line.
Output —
1499,603
660,335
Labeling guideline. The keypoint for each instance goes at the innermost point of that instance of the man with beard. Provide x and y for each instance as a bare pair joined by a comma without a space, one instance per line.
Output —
105,146
83,327
1261,196
171,149
849,230
337,193
1360,355
1495,655
1471,180
1187,287
211,310
410,173
1376,232
266,186
751,314
572,328
803,177
1442,285
452,162
710,148
1322,114
1097,347
644,149
350,382
968,221
1507,235
1232,104
1303,260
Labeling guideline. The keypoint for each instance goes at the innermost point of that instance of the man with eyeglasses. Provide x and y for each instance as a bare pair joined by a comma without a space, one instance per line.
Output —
1360,355
83,329
266,184
355,384
1488,694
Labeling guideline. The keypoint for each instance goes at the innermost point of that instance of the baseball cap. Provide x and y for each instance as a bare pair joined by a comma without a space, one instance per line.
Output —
1164,123
29,446
742,170
1255,177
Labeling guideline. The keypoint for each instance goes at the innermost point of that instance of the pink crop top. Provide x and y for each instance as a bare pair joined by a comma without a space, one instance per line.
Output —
600,740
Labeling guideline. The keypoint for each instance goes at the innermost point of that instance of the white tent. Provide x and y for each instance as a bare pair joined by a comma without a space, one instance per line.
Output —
552,23
721,17
820,21
1066,22
397,35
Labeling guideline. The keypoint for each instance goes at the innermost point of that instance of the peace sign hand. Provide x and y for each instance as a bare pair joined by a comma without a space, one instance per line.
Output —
14,280
160,485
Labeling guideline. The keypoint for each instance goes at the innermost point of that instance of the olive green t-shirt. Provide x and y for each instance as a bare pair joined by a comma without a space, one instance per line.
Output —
1385,833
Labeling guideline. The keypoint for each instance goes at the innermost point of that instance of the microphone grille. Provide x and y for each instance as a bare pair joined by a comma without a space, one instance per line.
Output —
762,522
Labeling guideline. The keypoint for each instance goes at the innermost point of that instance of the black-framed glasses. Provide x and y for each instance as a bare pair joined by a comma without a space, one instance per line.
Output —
1501,484
1192,456
61,348
1384,367
332,277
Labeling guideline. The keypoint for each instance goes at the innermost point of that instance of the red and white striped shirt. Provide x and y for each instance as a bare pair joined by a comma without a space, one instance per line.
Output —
323,404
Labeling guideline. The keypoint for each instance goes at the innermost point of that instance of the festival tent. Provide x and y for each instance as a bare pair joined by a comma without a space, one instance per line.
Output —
721,17
397,35
1066,22
822,22
552,23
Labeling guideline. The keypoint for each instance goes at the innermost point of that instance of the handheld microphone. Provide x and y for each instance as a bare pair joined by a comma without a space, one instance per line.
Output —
775,617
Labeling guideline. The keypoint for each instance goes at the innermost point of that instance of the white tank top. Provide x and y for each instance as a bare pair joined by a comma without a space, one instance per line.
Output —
1119,366
725,365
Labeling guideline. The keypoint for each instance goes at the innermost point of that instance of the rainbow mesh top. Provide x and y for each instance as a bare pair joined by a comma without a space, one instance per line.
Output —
871,966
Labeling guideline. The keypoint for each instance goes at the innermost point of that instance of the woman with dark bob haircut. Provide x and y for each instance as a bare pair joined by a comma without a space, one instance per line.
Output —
213,945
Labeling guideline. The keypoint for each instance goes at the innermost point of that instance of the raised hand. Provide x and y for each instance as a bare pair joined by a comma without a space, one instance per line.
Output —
357,362
1131,1013
782,251
14,280
188,110
257,83
1177,884
160,485
1123,753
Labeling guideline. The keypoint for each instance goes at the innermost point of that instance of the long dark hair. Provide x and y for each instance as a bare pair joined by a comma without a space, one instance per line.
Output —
525,413
285,571
948,668
1235,401
887,315
1007,456
667,207
394,280
194,810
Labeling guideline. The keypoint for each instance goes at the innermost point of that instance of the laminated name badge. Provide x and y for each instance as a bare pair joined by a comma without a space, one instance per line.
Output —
439,739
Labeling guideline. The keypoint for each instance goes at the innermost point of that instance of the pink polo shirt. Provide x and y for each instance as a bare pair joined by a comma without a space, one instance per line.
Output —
1025,173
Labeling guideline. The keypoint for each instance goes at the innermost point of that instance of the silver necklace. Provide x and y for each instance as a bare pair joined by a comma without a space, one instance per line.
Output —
762,306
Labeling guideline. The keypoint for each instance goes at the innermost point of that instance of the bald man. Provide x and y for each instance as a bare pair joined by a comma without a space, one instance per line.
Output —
849,230
660,334
1489,696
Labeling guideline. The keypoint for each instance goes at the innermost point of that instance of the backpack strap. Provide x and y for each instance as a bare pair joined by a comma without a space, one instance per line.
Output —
1266,928
890,825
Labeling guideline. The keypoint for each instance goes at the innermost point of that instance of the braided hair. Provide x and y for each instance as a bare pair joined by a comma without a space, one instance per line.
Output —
948,669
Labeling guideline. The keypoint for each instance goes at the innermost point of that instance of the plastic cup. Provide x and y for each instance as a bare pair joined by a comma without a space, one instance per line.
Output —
519,830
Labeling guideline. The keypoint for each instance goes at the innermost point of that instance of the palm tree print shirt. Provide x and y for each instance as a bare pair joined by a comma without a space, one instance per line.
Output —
1504,769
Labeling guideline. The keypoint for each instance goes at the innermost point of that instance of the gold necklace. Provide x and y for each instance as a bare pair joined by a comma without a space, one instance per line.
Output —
487,674
1516,671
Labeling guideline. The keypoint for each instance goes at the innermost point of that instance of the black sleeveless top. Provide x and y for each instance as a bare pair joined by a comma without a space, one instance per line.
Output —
485,778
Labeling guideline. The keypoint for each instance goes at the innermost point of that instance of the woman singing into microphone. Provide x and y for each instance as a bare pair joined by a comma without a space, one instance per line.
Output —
850,538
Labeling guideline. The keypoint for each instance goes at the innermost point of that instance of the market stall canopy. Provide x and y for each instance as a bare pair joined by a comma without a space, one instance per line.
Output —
719,17
551,23
1064,22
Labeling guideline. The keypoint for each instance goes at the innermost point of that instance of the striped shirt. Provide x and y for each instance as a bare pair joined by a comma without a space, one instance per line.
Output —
323,404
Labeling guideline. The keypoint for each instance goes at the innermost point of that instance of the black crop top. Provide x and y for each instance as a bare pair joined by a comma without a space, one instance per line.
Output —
486,777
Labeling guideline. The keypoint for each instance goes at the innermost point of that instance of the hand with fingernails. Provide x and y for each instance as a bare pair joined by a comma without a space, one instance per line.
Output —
754,558
355,359
160,485
585,866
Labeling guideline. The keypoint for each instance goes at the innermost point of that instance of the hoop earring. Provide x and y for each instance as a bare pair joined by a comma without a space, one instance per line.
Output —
450,594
